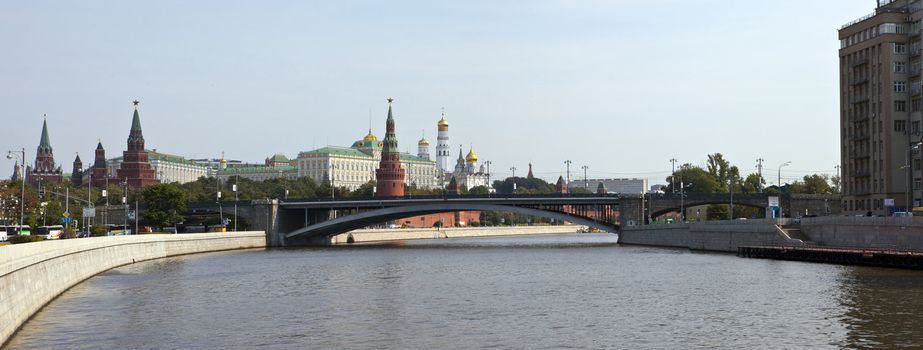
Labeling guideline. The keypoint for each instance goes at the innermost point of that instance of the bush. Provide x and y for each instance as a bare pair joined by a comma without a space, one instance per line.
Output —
25,239
68,232
98,231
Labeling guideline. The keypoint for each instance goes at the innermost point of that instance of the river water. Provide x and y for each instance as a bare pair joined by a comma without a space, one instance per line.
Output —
544,292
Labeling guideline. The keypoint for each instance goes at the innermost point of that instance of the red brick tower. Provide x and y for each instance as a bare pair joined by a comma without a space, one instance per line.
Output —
44,169
560,187
136,168
389,175
100,170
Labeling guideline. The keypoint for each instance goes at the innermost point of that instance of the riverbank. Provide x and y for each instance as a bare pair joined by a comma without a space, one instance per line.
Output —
717,236
400,234
33,274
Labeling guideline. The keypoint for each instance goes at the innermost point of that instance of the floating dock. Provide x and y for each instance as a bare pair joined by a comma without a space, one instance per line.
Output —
838,255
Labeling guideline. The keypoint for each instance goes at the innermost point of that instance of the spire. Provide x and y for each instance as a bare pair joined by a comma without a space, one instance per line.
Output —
136,124
99,144
390,115
530,176
45,143
77,160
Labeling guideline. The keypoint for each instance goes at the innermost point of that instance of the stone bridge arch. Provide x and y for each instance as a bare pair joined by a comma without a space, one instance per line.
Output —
322,230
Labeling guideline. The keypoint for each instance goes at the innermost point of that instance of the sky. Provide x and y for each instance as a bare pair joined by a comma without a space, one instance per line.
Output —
618,86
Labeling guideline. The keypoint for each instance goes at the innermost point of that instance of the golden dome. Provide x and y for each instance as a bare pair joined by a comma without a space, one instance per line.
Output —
443,124
370,137
471,157
423,142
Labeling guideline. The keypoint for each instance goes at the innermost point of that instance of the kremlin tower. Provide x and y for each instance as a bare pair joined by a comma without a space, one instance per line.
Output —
390,175
99,174
44,169
136,168
77,173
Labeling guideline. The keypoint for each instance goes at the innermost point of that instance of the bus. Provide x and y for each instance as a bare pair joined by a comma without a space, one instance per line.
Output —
50,232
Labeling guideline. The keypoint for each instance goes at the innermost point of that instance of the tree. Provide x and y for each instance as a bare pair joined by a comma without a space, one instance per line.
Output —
694,179
752,184
164,204
813,184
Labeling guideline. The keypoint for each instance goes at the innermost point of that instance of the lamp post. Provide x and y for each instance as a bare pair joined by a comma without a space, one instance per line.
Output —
567,181
124,185
513,169
236,198
22,177
487,163
780,185
586,183
908,166
673,175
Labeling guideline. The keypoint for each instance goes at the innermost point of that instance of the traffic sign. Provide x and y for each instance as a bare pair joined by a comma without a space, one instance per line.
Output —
66,220
66,214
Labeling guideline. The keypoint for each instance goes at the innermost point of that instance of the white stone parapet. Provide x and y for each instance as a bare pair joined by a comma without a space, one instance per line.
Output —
32,274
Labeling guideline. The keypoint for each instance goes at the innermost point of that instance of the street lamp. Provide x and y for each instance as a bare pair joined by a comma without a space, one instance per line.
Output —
913,147
586,183
780,185
567,163
22,177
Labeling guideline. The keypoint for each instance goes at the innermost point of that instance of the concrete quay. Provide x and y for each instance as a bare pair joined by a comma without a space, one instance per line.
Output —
719,236
33,274
399,234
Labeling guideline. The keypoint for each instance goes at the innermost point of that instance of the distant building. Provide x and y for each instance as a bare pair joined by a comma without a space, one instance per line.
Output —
44,168
258,172
622,186
169,168
468,173
657,188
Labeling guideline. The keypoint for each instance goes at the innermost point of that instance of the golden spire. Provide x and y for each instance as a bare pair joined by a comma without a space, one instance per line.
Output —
370,136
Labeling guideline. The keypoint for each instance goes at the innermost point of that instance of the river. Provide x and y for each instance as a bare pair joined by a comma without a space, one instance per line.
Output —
551,292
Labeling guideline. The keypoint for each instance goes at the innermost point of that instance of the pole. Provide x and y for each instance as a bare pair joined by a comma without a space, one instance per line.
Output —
513,169
137,214
125,207
780,185
567,181
731,189
759,169
586,183
236,179
89,190
673,175
840,185
682,201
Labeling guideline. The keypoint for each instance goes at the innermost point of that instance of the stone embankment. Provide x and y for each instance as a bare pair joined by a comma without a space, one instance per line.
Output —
33,274
721,236
379,235
899,233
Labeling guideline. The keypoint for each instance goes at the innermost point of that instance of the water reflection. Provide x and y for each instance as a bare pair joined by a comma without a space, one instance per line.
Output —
882,307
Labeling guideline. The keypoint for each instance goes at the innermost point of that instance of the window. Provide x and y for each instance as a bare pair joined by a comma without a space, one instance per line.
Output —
900,67
900,106
915,127
900,86
900,48
900,125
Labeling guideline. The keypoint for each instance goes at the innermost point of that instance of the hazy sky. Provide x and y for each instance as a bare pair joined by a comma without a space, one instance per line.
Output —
620,86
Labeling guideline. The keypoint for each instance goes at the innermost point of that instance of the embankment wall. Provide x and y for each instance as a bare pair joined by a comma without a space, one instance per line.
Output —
720,236
33,274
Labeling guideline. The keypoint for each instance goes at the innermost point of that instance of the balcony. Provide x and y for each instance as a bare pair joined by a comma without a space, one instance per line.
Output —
858,81
915,53
858,99
858,62
858,154
914,73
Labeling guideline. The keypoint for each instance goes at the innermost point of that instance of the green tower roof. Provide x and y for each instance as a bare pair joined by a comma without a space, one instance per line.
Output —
44,142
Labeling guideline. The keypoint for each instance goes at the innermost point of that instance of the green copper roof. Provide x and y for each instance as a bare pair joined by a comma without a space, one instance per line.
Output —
337,150
44,142
153,155
256,169
279,157
413,158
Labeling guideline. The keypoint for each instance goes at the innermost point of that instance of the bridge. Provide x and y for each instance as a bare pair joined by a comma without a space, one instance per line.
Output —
635,210
313,221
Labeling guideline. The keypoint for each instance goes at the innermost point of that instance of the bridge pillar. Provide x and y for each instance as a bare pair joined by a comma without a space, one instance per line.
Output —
630,211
